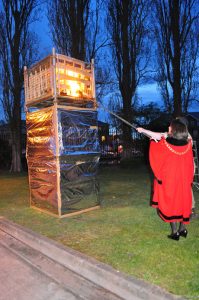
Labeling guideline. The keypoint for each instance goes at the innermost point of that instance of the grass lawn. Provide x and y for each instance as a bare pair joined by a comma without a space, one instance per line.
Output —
125,233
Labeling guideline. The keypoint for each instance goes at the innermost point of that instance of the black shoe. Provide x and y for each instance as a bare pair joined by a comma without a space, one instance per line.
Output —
174,236
183,233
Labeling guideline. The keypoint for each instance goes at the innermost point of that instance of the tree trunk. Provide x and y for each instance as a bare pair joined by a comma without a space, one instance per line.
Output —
175,19
127,142
16,165
17,49
16,157
15,127
127,130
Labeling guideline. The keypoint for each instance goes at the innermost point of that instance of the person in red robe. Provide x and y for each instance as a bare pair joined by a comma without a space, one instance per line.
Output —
171,160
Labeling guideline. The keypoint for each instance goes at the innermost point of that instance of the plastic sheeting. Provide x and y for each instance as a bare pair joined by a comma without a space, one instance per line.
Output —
62,155
77,132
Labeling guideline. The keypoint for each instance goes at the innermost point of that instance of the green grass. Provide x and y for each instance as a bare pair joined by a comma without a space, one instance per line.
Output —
125,233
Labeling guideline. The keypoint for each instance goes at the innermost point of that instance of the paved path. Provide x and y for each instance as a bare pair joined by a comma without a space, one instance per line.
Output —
27,274
33,267
19,280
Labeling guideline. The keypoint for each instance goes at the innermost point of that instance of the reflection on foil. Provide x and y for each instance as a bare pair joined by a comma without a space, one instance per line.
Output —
62,159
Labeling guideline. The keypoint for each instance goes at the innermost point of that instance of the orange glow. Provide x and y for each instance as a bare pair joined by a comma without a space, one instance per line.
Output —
62,81
69,87
75,88
72,74
60,70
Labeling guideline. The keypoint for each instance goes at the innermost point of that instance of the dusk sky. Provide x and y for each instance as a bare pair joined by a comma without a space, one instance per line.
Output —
147,92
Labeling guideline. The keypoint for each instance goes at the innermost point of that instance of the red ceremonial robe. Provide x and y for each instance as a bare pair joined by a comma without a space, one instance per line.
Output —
173,169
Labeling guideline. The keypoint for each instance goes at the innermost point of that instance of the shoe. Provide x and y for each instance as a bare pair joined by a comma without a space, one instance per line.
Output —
183,233
174,236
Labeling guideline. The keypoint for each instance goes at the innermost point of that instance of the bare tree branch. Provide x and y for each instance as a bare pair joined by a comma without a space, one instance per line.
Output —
177,39
129,33
17,48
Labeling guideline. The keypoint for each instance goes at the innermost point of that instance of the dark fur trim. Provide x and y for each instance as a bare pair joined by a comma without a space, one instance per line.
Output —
176,142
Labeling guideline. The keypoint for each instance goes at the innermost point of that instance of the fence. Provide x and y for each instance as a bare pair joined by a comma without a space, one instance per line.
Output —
112,146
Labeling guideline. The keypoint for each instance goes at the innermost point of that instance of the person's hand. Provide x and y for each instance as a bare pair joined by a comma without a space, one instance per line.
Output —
140,129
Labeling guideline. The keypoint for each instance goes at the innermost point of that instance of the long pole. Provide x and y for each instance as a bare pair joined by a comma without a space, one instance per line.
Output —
122,119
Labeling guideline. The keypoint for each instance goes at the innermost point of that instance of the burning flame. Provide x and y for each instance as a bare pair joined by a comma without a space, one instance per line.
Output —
67,86
75,88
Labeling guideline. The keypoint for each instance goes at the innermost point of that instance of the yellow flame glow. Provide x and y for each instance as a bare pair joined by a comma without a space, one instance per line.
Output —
60,70
75,88
72,74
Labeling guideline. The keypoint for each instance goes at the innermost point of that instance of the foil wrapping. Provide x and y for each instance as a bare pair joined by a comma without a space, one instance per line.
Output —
62,154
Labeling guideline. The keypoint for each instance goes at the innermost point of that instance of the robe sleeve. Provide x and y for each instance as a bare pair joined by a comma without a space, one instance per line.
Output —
156,156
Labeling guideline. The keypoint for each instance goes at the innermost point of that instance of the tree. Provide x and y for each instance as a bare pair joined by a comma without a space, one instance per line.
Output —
76,32
128,29
16,50
147,113
68,21
75,27
176,31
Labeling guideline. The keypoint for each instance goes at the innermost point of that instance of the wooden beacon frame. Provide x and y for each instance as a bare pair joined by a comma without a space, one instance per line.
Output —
46,85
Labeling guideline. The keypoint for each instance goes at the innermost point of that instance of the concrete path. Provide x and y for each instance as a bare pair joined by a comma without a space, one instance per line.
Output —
33,267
